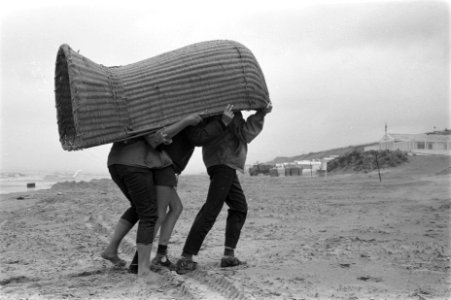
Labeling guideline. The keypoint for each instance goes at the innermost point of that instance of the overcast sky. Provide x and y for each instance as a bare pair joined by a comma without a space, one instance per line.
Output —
336,71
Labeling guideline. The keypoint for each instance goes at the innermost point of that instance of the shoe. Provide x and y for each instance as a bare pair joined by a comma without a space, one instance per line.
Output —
160,262
133,268
231,261
185,265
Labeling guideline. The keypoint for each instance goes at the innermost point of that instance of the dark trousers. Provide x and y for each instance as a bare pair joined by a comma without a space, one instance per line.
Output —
224,187
138,186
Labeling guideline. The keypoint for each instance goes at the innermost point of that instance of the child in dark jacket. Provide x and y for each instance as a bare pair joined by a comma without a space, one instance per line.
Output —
222,156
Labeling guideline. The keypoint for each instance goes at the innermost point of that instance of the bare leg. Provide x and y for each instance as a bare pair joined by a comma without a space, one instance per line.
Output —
145,276
143,259
170,196
163,203
111,252
166,197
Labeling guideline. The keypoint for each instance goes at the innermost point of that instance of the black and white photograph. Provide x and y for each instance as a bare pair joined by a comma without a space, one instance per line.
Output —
246,150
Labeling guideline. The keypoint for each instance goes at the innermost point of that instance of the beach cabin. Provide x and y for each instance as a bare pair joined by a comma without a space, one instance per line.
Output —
434,143
309,167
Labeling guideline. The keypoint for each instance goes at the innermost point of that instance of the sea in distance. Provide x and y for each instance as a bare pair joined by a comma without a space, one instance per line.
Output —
11,182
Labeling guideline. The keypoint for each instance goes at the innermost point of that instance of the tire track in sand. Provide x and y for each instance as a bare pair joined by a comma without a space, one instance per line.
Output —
199,284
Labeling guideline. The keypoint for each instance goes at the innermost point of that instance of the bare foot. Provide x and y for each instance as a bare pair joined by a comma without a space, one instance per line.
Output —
114,258
149,278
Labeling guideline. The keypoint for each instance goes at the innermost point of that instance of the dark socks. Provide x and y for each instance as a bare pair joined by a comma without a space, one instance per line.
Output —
162,250
229,251
135,259
188,256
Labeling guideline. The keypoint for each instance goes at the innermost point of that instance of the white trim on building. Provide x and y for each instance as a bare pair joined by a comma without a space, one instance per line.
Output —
425,144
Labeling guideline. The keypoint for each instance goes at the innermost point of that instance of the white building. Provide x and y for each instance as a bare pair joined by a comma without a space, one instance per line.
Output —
425,143
308,166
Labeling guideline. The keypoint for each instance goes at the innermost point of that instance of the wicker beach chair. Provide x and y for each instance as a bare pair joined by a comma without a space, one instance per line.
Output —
98,105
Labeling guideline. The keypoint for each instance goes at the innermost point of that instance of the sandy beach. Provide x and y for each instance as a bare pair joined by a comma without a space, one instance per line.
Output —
344,236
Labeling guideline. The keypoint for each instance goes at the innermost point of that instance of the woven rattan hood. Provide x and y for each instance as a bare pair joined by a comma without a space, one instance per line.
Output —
98,105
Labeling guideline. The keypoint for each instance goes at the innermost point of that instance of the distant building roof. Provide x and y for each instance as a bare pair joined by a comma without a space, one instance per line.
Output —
440,132
422,137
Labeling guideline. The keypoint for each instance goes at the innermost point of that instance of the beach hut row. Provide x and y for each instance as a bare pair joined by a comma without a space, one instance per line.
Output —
315,167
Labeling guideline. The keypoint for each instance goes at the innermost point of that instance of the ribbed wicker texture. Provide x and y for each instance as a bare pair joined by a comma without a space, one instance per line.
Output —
98,105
